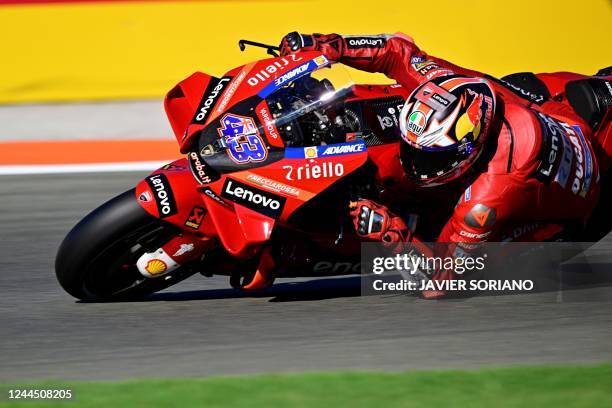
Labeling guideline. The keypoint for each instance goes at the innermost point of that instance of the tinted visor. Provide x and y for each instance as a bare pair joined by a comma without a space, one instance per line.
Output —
427,164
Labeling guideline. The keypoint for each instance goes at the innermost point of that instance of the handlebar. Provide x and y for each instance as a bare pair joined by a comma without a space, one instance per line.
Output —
271,49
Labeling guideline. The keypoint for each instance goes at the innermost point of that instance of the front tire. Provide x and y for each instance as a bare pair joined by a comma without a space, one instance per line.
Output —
96,260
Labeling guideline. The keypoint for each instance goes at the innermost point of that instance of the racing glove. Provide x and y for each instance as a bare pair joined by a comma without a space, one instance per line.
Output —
331,45
376,222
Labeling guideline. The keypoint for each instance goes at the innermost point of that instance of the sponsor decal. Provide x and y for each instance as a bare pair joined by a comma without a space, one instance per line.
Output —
365,42
164,198
430,69
565,166
460,253
589,166
520,231
213,90
272,185
266,119
312,152
436,97
421,63
470,246
253,198
295,72
551,147
156,267
244,144
468,234
388,116
440,99
417,59
416,122
145,197
467,196
423,66
321,60
208,192
314,171
480,216
195,218
207,150
173,167
385,122
535,98
231,90
337,268
185,248
423,71
202,173
268,72
343,148
292,74
564,147
438,73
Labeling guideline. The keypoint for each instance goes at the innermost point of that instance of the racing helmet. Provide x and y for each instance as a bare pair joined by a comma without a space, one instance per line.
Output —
444,124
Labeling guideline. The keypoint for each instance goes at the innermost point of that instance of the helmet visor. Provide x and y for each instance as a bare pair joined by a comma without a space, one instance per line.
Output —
424,165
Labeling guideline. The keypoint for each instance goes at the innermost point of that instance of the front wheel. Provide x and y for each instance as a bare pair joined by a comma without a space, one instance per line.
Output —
97,259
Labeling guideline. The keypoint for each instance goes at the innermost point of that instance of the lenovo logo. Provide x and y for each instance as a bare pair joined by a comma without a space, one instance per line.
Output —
253,198
166,205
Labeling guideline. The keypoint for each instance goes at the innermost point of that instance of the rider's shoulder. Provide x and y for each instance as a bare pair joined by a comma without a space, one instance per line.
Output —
520,139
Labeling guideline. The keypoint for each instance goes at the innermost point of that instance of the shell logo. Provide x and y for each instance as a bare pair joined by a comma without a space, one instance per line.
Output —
156,266
310,152
320,60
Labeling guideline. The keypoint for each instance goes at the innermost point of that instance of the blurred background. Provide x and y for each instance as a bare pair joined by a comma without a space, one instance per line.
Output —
81,88
107,50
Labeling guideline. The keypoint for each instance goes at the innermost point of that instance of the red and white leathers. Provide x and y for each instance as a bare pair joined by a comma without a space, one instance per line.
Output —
541,171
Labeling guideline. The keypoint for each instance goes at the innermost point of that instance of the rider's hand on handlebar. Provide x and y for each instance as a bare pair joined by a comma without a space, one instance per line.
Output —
330,45
296,42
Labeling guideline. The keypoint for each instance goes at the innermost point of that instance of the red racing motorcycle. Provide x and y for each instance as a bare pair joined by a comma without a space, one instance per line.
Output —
275,151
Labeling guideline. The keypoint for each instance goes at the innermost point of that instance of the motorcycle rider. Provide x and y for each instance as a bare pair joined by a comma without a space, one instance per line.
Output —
524,157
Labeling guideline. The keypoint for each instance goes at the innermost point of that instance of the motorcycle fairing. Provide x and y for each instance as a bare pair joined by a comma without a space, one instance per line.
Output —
182,102
179,191
295,175
243,115
240,230
261,77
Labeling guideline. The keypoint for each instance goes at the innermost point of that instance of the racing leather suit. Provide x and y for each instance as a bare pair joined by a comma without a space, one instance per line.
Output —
542,161
540,155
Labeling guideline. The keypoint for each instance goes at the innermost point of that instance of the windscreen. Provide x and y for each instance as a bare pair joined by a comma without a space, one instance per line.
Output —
310,111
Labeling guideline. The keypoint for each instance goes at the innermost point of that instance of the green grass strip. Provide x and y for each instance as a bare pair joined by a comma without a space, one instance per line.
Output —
531,386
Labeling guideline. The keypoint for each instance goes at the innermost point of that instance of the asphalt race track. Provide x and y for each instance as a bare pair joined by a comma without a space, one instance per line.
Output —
201,327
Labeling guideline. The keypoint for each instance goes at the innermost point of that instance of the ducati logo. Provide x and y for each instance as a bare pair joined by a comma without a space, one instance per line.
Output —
145,197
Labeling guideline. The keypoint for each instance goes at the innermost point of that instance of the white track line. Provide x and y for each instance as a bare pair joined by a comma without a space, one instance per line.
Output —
80,168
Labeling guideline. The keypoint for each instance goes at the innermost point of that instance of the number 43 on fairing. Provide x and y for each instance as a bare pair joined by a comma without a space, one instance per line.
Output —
244,144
